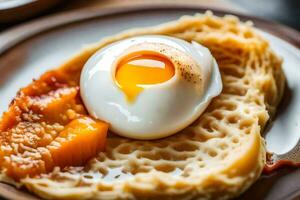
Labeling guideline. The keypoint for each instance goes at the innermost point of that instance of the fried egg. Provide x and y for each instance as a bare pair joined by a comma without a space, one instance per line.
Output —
149,87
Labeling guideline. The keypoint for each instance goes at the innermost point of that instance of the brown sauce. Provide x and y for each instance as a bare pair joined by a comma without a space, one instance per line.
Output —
273,163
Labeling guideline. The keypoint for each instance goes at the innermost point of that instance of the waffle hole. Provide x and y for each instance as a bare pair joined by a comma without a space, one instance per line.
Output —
179,157
245,123
166,155
224,155
223,146
101,158
125,149
87,176
206,125
232,119
248,131
246,82
185,147
253,66
185,174
117,176
258,102
161,144
110,155
233,30
165,168
246,110
103,171
212,153
190,134
235,140
105,188
149,155
202,165
248,34
234,90
146,148
233,71
218,115
230,106
141,170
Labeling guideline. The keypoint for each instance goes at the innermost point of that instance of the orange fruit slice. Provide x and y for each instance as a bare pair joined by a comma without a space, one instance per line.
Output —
81,139
47,125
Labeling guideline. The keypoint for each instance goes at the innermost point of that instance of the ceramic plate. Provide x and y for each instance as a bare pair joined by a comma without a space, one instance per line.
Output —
31,49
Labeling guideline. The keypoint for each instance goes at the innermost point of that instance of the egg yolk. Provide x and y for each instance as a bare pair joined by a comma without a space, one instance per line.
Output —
142,68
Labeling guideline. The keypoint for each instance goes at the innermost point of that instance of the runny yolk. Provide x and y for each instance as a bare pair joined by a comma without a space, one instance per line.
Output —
142,68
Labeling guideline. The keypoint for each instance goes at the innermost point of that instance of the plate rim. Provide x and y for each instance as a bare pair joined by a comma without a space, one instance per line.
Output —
20,33
17,34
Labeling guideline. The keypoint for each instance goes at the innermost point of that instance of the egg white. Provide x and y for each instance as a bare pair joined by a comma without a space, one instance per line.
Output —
160,109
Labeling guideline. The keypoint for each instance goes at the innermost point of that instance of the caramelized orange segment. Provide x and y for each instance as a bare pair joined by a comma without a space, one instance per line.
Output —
81,140
57,106
46,125
22,169
9,119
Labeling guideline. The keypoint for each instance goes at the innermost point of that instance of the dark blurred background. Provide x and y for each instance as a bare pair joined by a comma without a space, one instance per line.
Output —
13,12
283,11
